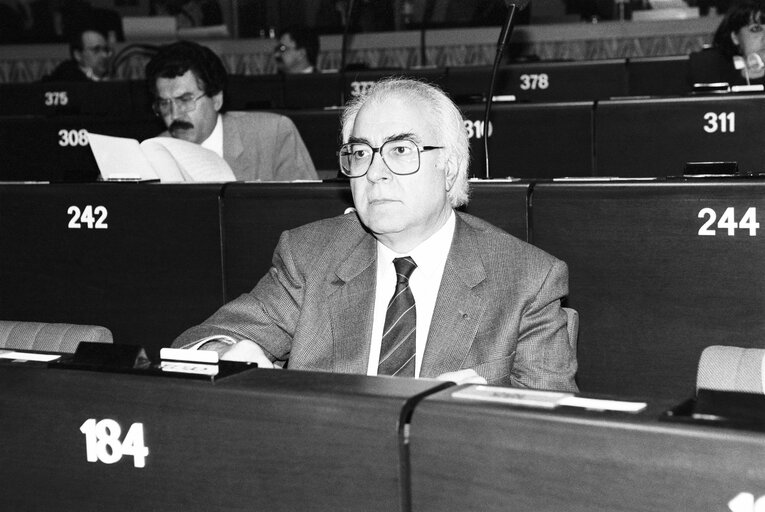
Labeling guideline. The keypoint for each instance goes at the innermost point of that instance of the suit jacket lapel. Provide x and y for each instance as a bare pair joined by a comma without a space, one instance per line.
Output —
458,308
351,307
233,148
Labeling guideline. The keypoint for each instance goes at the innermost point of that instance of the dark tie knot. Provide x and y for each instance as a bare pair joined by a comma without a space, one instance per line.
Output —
404,267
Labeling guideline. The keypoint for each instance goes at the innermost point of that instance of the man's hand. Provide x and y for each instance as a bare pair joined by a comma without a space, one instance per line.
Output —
467,376
248,352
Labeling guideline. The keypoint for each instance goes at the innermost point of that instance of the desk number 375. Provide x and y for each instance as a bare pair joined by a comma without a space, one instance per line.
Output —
102,442
728,222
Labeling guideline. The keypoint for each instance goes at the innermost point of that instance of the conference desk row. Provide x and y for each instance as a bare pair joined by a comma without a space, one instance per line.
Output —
79,439
622,137
542,81
658,270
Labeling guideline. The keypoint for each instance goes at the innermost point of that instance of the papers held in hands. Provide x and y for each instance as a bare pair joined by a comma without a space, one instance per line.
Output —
166,159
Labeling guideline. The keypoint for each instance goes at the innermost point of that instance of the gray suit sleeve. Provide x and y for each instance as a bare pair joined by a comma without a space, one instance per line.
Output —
544,357
267,315
293,160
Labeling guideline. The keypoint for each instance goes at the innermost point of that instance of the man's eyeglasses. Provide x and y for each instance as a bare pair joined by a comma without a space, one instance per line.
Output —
282,48
400,156
99,49
183,104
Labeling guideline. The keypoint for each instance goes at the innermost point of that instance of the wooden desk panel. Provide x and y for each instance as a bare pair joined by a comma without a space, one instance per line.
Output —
494,457
262,440
651,291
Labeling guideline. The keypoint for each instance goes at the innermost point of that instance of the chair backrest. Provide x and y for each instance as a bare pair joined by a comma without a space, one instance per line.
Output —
573,326
50,337
726,368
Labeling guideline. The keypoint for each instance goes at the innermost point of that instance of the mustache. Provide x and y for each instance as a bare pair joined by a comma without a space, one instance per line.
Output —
179,125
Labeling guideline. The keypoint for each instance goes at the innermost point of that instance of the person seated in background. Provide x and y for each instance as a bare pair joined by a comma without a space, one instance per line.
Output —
470,303
189,13
737,55
297,50
90,58
188,81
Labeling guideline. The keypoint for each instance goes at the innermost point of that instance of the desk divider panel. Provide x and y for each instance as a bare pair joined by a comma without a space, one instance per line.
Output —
56,148
143,260
658,271
277,440
532,140
470,455
658,76
256,214
656,137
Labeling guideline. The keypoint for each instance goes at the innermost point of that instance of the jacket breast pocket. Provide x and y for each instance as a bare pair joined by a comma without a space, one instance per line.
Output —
496,371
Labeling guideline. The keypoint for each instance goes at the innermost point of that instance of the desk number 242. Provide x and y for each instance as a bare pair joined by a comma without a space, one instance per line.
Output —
728,222
102,442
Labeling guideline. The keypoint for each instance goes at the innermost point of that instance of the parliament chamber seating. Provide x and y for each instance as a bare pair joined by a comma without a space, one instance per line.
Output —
50,337
657,270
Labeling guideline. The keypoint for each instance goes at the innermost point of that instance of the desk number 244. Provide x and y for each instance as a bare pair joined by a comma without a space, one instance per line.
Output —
728,222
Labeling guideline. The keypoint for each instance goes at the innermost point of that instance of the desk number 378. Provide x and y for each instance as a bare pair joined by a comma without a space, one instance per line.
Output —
728,222
102,442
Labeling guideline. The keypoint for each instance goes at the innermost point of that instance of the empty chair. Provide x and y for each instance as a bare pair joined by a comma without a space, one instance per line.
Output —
50,337
725,368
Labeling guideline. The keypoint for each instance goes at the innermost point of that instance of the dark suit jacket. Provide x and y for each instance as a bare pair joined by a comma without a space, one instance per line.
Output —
498,308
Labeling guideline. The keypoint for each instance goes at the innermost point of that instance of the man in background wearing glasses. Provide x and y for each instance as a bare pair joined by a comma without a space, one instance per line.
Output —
188,81
297,50
404,286
90,52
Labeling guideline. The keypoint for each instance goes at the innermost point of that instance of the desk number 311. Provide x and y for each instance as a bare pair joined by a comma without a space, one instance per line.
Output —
102,442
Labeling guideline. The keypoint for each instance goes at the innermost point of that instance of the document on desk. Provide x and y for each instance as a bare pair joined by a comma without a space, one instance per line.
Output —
27,356
544,399
167,159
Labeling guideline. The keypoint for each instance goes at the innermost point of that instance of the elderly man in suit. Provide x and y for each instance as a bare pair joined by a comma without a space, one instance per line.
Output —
405,285
188,82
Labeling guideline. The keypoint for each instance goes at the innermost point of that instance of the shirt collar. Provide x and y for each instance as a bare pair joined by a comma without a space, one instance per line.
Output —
215,141
431,253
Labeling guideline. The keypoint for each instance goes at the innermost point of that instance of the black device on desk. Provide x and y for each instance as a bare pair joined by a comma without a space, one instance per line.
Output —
721,409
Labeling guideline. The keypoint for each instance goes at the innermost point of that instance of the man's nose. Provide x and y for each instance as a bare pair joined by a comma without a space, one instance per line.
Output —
378,170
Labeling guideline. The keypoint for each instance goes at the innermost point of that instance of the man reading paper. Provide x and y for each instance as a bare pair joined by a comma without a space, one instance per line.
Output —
188,82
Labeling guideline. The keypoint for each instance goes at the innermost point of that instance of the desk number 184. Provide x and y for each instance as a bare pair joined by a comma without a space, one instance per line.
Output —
102,442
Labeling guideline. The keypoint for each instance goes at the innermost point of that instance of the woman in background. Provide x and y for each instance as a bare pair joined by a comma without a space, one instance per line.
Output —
737,55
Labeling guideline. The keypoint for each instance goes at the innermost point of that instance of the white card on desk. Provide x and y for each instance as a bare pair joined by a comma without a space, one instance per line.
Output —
513,396
27,356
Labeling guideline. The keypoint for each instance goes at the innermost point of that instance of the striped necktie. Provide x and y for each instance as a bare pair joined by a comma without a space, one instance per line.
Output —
399,332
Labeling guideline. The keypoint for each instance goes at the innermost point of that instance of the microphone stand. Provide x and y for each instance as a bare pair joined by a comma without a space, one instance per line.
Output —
344,49
504,35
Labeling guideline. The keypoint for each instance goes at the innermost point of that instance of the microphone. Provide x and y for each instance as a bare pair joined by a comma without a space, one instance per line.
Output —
507,29
426,15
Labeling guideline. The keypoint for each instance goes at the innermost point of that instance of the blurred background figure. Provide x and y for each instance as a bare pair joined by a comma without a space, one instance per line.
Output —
737,55
189,13
297,50
90,57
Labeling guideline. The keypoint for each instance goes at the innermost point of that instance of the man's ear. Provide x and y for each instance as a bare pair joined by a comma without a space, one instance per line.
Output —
451,170
218,101
77,55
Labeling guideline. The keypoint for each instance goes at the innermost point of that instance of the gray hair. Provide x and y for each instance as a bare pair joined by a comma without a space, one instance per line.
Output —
446,121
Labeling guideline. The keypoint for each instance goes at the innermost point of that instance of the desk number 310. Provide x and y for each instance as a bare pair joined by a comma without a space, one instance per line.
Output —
728,221
102,442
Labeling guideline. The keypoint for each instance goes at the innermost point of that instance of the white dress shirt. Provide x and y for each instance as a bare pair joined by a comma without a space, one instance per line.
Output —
430,257
215,141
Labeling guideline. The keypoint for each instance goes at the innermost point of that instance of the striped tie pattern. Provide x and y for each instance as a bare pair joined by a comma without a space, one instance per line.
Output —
399,332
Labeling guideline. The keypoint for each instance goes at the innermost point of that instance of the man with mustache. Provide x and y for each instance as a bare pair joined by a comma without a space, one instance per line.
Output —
188,81
405,285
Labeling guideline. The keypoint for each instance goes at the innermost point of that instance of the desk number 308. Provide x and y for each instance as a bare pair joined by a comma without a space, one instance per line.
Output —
102,442
728,221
